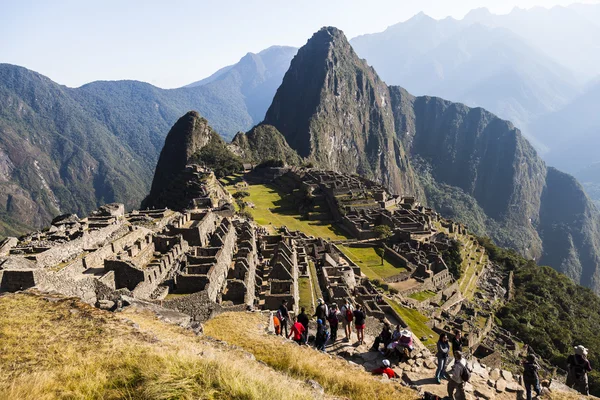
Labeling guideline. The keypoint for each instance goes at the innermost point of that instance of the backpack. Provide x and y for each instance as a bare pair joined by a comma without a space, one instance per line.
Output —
349,315
465,375
333,319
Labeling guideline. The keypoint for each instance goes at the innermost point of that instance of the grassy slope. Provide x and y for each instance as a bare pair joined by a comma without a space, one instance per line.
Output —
63,349
370,262
416,321
336,376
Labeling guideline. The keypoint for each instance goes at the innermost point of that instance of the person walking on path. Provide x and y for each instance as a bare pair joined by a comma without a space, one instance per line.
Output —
303,319
359,324
321,312
321,336
348,316
283,316
333,319
297,331
459,375
579,367
443,351
531,378
457,343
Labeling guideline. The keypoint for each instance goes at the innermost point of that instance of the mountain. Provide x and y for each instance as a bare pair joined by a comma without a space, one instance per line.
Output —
470,63
261,143
332,109
71,150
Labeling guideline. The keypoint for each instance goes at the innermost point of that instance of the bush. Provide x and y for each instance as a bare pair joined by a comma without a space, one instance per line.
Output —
271,164
241,194
385,286
246,214
376,282
393,291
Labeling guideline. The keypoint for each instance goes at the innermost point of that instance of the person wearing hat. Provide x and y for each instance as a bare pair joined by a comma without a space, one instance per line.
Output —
321,336
459,375
405,344
385,369
530,375
321,311
578,368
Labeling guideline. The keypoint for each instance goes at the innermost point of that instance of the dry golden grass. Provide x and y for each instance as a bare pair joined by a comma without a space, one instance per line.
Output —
336,376
64,349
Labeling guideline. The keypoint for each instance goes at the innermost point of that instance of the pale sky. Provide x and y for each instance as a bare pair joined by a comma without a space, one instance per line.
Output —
171,43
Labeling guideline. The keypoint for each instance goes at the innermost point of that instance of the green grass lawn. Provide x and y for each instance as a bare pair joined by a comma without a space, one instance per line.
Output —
271,208
416,321
305,294
421,296
370,263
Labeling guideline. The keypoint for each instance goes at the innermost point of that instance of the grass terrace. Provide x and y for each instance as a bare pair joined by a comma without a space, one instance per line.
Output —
335,375
422,296
273,209
306,294
370,262
416,321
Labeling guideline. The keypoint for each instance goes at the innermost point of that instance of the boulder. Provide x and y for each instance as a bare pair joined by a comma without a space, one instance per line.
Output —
495,374
419,362
485,393
507,375
430,364
370,356
513,386
500,385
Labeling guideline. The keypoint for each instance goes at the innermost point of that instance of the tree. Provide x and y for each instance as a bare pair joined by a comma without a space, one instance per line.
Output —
241,194
383,231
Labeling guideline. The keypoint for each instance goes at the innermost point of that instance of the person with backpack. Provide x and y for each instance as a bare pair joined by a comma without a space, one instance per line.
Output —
443,351
578,368
298,331
348,316
459,375
283,315
359,324
384,337
333,320
530,376
322,335
303,319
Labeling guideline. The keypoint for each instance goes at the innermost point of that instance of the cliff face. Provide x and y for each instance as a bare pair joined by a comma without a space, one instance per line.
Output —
471,165
333,109
185,139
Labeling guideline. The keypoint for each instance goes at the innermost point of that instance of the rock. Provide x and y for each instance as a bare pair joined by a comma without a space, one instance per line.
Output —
430,364
513,387
315,385
468,387
495,374
507,375
106,304
500,385
491,383
419,362
485,393
370,356
411,362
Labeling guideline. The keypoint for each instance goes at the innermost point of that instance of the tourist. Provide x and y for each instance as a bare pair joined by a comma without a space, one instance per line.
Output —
530,376
457,342
384,337
283,315
321,312
391,347
405,345
385,369
579,366
459,375
443,351
303,319
297,331
347,312
322,335
333,319
359,324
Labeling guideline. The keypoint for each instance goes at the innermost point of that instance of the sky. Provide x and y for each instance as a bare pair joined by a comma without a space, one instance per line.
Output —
172,43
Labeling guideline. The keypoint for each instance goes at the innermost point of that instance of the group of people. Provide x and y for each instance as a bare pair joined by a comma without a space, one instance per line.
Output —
328,319
397,343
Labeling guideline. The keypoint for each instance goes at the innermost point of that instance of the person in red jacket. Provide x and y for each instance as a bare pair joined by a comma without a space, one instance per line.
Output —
385,369
297,331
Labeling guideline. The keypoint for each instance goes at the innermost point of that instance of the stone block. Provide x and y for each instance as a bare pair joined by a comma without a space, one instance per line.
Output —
500,385
507,375
495,374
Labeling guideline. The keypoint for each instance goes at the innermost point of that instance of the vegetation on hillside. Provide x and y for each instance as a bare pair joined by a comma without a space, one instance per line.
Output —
549,311
216,156
60,348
